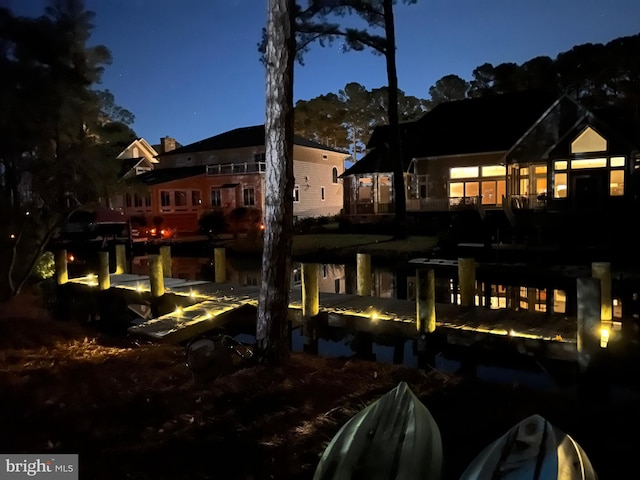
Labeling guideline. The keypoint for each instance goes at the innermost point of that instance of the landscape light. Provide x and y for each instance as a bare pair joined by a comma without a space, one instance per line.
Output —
604,337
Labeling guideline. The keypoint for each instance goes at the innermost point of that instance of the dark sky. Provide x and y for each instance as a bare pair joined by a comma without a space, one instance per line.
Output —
189,68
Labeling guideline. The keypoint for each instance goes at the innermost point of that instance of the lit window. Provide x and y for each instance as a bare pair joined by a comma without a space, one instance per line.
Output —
464,172
560,187
588,141
616,183
542,169
456,190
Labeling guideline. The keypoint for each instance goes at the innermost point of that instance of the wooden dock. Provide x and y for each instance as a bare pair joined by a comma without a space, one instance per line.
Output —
210,305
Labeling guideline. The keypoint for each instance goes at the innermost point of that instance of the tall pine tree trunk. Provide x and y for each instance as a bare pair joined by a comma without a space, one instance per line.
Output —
394,146
273,306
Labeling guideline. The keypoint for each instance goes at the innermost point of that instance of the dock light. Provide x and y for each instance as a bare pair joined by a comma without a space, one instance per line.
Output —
512,332
178,311
138,288
604,337
71,258
374,316
192,293
93,280
12,236
208,315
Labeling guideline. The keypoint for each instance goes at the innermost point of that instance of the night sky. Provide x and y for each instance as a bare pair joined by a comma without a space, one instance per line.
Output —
190,68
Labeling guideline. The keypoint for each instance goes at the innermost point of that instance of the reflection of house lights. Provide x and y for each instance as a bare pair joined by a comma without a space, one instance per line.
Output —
604,337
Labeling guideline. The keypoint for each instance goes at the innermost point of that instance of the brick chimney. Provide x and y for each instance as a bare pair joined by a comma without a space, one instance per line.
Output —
167,144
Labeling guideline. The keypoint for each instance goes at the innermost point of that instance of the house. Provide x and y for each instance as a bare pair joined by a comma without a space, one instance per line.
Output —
225,174
137,158
505,155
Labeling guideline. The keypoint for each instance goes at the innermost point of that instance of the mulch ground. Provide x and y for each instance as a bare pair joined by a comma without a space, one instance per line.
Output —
135,411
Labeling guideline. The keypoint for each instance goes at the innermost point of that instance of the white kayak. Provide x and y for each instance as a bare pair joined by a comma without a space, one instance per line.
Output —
394,437
533,449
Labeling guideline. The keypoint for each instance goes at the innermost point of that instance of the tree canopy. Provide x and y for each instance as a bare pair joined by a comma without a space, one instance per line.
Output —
346,119
60,135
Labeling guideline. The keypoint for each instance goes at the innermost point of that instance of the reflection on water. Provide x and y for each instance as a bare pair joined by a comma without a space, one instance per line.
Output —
400,283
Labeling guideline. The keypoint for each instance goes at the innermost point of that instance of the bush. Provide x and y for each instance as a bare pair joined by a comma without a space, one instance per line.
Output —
212,224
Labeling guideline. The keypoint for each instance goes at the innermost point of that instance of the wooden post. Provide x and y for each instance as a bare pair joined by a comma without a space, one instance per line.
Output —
165,255
363,265
310,305
62,274
156,279
426,300
121,259
588,290
104,281
602,271
467,279
220,264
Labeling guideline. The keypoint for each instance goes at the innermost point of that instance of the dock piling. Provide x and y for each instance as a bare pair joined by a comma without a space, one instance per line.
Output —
156,278
220,264
165,255
602,271
363,264
467,279
104,281
426,300
310,305
121,259
62,274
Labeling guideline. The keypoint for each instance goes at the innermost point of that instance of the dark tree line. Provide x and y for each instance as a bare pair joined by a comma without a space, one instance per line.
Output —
595,74
60,136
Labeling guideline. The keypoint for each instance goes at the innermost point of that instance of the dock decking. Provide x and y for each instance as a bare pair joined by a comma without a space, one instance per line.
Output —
212,304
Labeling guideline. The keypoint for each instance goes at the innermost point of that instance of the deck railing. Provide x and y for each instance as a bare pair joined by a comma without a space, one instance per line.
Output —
230,168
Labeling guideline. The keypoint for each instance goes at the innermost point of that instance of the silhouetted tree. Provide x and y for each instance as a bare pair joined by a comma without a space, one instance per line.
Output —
54,155
447,89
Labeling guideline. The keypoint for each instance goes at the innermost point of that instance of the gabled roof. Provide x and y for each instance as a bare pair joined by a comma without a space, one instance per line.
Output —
141,143
163,175
240,137
477,125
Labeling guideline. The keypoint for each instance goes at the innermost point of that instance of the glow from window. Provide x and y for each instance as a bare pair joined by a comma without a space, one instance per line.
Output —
560,165
464,172
616,183
560,187
617,161
589,163
494,171
541,170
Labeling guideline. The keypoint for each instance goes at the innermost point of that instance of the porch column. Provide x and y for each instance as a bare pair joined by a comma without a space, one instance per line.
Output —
588,293
374,192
